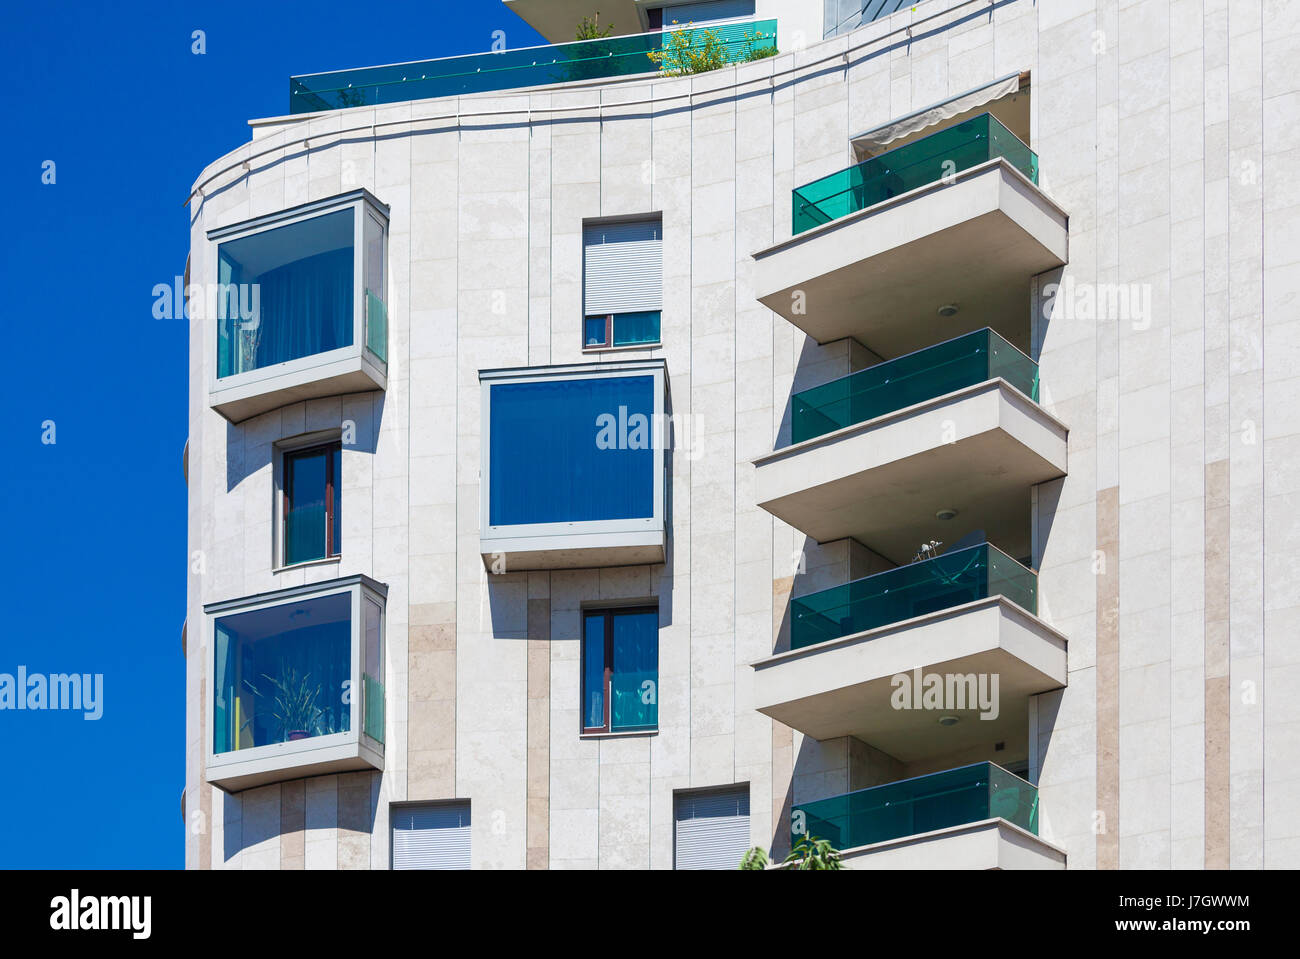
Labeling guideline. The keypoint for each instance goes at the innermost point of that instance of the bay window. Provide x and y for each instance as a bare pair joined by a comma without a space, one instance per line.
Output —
573,466
299,308
296,683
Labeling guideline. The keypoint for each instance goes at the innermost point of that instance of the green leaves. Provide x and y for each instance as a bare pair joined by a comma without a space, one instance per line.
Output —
755,858
688,51
813,853
294,705
589,29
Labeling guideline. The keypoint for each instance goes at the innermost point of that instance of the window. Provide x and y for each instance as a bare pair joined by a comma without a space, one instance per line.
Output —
283,673
300,305
296,684
623,284
711,828
620,670
285,293
549,464
431,836
312,501
573,461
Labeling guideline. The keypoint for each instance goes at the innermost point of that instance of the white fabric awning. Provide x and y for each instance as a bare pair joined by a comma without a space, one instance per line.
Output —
878,139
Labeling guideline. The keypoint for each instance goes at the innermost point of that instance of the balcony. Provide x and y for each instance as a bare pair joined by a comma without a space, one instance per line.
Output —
952,428
295,687
602,59
299,309
951,222
573,469
964,614
974,817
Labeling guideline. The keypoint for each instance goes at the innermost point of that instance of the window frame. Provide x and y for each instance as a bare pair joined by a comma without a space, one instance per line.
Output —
237,769
609,612
608,343
333,550
363,204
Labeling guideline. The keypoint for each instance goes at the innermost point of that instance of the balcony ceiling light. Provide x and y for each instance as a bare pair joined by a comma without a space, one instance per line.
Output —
948,309
948,720
946,514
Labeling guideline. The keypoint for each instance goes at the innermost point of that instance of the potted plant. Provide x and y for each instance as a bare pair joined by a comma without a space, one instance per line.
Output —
295,705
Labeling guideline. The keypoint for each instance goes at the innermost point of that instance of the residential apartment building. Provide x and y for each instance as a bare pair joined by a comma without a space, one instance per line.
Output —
883,439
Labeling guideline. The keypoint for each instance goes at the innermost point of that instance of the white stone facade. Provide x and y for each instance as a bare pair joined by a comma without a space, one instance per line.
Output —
1167,129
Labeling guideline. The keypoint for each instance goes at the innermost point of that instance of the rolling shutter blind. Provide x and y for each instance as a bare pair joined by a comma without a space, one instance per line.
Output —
622,265
431,837
712,829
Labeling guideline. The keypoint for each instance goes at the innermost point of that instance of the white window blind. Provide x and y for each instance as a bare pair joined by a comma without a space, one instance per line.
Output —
435,836
712,829
622,265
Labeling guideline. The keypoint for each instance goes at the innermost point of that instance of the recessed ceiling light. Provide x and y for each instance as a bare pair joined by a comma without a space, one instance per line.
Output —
946,514
948,720
948,309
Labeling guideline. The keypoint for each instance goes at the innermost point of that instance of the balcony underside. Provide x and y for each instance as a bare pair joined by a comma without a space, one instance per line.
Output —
585,551
290,761
557,19
353,374
843,687
882,481
881,274
990,844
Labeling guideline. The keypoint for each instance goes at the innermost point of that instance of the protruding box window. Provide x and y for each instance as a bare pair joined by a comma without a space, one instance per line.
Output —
297,683
298,307
573,461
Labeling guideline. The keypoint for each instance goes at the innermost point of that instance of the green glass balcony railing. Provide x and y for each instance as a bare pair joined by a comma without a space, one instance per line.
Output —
511,69
951,579
373,706
376,326
910,807
923,375
905,168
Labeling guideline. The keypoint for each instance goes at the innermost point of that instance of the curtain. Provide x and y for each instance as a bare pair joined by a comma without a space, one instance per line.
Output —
634,688
306,308
550,460
316,659
593,671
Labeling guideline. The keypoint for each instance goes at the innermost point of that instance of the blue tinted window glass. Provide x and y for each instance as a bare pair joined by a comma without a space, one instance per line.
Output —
594,331
634,686
633,328
572,450
283,673
304,523
285,293
593,671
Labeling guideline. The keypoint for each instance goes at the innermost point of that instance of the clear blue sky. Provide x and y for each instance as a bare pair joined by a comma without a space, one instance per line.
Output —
96,554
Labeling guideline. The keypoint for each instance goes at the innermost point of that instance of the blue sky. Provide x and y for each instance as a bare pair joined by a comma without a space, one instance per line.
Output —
95,564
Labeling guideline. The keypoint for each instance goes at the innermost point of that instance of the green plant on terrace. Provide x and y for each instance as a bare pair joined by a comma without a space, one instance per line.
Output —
686,51
589,29
813,853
